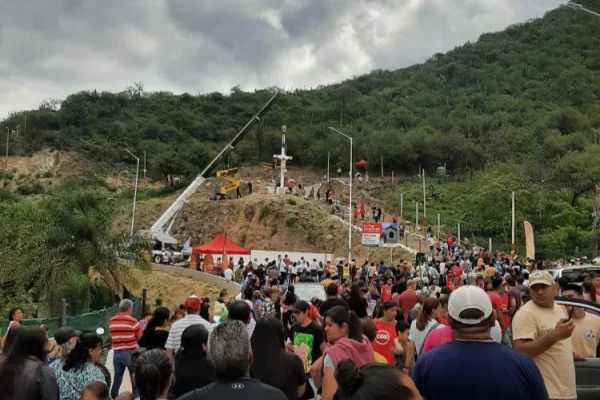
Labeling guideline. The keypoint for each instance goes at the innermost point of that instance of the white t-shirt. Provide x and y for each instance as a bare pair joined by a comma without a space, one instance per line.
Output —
443,268
314,266
294,269
281,265
418,336
228,274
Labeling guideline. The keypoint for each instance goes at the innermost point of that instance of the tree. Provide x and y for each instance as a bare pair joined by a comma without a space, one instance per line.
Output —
579,171
75,241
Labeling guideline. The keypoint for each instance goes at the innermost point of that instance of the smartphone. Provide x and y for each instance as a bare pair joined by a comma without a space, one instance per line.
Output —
570,313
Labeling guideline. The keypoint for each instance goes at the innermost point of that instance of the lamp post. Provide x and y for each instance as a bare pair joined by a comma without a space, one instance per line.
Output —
137,173
350,196
6,158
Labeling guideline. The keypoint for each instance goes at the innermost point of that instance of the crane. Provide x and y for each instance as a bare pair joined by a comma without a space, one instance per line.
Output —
161,230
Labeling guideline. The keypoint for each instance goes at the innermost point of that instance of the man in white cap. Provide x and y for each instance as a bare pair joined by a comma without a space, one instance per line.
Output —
494,371
542,330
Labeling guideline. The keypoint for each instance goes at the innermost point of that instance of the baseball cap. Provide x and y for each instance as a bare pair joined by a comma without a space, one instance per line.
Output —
541,278
300,306
468,298
64,334
193,302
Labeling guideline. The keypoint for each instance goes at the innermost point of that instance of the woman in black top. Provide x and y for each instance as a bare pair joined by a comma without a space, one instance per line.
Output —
23,372
157,331
356,302
193,369
272,364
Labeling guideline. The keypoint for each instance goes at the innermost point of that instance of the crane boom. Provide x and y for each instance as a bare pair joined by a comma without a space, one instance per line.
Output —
162,227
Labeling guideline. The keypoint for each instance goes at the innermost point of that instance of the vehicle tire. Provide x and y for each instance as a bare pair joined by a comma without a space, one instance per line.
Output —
158,259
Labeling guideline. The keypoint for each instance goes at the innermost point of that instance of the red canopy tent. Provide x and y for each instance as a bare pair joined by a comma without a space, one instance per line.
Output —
219,245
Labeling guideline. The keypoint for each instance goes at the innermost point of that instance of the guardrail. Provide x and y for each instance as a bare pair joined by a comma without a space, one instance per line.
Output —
232,287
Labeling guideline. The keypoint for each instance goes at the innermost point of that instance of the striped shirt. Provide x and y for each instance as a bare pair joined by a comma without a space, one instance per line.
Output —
174,339
124,332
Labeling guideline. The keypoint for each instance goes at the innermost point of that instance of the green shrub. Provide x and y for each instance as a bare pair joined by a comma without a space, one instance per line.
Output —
48,174
28,190
291,222
291,201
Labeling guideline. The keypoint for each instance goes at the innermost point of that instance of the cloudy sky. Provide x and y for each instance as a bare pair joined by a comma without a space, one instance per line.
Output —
50,48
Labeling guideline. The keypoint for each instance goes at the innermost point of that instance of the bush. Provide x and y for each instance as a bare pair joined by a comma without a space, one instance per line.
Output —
291,222
28,190
291,201
48,174
8,176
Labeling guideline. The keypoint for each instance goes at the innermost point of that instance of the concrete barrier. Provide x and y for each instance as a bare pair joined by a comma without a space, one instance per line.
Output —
223,283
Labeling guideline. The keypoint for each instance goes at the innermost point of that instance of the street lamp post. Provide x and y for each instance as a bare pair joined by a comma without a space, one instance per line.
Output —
350,196
6,158
137,174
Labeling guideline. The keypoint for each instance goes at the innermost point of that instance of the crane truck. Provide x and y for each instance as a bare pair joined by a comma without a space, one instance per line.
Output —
160,232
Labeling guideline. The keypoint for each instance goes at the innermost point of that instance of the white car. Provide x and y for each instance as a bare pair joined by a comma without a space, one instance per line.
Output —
575,273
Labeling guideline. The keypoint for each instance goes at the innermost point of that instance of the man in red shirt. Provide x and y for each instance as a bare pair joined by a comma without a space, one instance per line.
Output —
386,332
124,332
386,290
407,300
500,304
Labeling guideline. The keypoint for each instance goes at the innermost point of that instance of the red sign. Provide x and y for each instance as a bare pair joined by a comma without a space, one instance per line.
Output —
371,233
371,227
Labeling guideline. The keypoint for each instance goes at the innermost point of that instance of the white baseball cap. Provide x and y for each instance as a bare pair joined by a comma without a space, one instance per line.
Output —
467,298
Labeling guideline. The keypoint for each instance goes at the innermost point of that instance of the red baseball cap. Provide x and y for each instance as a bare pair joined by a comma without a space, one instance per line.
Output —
193,302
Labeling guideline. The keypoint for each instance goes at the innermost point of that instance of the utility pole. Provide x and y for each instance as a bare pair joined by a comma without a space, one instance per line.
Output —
145,170
417,217
328,157
439,227
6,159
137,173
458,235
350,195
402,206
512,241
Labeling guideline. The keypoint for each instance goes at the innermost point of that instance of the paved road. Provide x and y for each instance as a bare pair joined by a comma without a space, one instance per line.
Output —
126,385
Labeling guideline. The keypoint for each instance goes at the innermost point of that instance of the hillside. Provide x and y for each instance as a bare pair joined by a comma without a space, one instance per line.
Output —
516,111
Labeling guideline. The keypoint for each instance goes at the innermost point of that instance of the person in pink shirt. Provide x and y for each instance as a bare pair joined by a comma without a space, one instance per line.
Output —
437,338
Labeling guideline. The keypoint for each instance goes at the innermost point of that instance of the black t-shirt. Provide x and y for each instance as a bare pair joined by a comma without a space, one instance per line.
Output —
307,343
240,389
285,372
330,303
359,306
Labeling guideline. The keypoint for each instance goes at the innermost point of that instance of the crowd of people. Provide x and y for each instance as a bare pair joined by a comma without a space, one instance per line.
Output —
463,325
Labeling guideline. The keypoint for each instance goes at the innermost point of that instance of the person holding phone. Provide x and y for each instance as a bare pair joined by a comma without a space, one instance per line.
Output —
542,330
586,335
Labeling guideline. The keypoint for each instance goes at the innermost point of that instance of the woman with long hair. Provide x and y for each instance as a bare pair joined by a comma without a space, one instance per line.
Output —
153,375
346,342
65,340
15,316
157,331
79,368
374,381
272,364
356,302
193,368
420,328
23,373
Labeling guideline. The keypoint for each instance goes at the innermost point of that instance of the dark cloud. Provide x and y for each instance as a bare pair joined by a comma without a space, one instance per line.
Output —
51,48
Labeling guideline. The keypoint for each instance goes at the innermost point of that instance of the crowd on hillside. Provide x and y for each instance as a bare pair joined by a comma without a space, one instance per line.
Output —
463,325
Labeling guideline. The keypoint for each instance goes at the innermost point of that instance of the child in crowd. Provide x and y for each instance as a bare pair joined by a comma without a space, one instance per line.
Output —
95,391
401,342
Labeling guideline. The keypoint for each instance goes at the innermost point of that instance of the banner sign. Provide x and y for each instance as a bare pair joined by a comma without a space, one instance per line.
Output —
529,241
371,233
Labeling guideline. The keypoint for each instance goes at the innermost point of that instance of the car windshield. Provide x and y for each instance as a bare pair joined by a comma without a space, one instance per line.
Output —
307,292
579,274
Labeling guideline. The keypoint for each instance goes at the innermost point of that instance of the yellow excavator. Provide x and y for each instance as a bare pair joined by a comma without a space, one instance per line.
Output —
227,183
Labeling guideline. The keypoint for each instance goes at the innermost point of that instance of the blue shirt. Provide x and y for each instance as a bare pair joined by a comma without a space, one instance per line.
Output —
476,370
382,268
